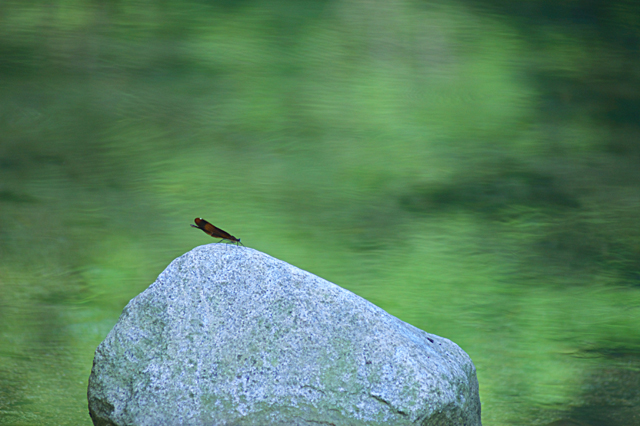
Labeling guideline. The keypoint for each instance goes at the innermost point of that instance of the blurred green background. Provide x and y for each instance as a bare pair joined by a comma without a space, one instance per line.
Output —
470,166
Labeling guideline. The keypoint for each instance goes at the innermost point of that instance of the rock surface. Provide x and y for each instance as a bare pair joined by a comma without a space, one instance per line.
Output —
231,336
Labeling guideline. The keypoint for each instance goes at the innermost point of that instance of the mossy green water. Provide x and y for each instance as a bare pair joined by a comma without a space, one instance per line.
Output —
470,173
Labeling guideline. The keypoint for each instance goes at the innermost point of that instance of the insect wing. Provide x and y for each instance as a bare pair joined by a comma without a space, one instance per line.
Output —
214,231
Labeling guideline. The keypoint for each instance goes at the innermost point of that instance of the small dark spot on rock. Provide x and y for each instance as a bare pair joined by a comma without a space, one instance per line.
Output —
430,339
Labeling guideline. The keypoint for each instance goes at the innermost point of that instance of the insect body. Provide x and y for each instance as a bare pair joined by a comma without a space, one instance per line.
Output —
214,231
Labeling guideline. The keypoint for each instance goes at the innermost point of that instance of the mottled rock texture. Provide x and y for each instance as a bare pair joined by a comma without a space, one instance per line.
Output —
231,336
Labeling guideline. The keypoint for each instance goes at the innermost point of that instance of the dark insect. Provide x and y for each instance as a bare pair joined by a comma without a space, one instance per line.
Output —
214,231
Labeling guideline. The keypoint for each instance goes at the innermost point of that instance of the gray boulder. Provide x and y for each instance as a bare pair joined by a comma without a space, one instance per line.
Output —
231,336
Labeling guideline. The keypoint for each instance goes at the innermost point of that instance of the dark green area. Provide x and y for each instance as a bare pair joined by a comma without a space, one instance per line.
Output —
472,167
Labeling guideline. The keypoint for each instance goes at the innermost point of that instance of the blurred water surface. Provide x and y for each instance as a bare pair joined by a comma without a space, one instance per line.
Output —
469,166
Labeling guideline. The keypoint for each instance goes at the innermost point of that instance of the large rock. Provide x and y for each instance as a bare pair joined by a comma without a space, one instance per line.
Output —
231,336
